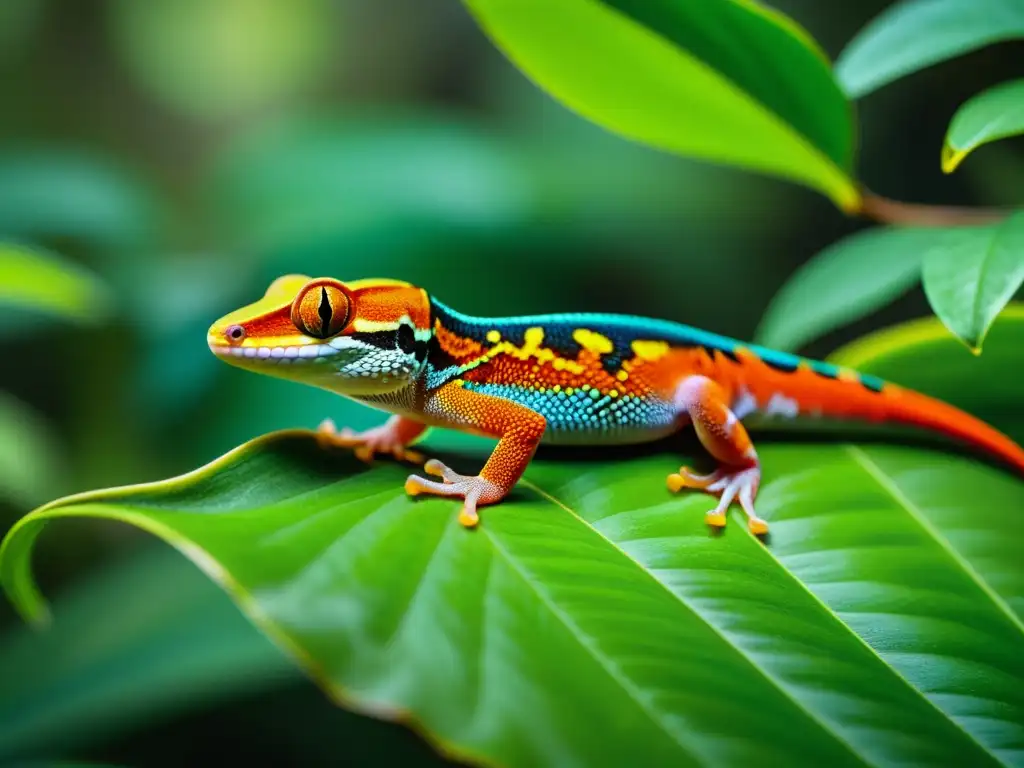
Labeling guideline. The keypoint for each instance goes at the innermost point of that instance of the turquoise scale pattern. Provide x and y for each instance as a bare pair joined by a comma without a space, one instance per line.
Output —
587,413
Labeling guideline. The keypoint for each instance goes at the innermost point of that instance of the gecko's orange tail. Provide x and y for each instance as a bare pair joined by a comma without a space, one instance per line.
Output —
846,394
904,406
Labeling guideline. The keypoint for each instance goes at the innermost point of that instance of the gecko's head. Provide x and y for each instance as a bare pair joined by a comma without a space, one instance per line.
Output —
361,338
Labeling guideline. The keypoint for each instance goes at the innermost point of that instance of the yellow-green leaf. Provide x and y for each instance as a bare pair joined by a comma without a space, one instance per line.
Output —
36,280
993,114
730,81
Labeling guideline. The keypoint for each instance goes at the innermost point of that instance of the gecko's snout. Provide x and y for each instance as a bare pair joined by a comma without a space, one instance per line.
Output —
225,340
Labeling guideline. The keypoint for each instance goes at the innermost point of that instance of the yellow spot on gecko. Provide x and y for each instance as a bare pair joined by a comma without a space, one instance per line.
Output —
493,336
621,375
845,374
650,350
533,338
592,341
613,393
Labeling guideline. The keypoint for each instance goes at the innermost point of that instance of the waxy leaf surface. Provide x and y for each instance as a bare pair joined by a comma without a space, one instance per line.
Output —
845,282
592,618
913,34
991,115
730,81
971,275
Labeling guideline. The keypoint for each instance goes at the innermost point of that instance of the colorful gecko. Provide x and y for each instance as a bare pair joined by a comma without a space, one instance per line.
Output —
594,379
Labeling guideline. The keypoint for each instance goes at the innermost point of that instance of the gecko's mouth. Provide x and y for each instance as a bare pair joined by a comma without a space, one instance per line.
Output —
276,354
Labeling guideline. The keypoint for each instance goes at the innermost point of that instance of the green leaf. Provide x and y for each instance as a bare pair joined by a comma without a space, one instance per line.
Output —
845,282
31,462
49,194
592,618
972,274
729,81
37,280
913,34
148,636
993,114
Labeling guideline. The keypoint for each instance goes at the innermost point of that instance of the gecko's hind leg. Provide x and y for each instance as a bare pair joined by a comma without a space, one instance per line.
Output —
721,433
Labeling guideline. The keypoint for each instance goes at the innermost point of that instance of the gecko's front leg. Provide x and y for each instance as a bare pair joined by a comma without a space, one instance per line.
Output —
392,437
518,429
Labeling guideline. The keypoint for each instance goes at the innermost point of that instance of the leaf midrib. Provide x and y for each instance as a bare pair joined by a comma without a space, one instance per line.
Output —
621,679
890,487
825,727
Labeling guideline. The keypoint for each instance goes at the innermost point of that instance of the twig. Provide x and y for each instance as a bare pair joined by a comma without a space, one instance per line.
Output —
888,211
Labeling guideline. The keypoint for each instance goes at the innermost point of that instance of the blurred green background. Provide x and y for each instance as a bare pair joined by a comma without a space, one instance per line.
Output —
186,152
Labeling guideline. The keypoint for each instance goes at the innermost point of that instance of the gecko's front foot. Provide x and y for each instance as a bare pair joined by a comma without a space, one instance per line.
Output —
475,490
367,444
728,483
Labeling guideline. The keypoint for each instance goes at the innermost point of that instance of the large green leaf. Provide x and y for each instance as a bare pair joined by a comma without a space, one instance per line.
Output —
971,275
993,114
172,641
844,282
914,34
40,281
593,619
729,81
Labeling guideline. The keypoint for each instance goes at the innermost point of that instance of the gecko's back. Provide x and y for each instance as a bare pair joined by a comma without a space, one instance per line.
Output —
607,378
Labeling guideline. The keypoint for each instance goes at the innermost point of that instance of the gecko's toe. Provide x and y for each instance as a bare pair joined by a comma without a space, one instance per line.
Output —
474,490
715,518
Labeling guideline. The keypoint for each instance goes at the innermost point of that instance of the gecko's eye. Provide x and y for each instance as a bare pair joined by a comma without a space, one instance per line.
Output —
321,309
235,333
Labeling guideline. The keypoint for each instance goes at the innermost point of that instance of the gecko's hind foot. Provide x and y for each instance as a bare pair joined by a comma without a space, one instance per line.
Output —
475,490
366,445
728,484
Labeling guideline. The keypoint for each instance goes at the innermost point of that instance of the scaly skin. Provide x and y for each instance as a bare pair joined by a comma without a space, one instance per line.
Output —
591,379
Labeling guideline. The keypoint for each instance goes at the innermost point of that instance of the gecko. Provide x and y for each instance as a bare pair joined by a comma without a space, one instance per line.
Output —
575,378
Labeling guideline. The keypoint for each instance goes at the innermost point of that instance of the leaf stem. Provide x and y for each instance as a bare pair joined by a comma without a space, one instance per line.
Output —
887,211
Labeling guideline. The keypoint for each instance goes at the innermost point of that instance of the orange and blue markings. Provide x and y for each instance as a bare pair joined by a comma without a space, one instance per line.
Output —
593,379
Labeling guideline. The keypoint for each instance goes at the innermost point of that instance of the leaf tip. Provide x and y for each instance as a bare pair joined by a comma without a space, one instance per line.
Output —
951,158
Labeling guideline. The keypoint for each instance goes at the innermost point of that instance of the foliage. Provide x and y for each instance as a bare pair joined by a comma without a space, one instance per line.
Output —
554,631
992,114
971,276
763,97
36,281
873,267
592,618
911,35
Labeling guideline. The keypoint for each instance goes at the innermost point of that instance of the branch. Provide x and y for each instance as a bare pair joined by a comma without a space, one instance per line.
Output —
888,211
